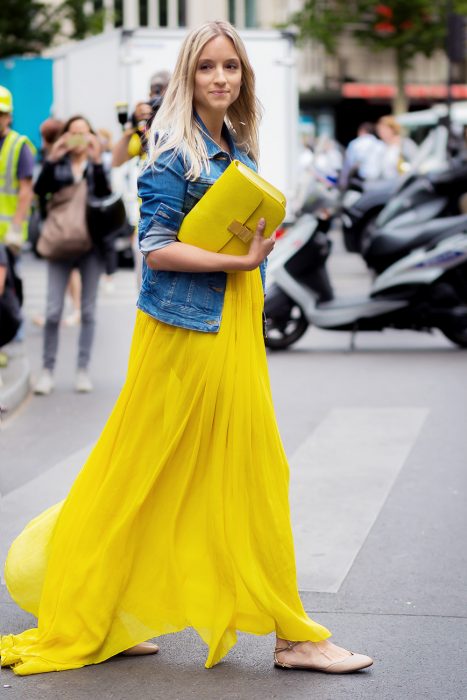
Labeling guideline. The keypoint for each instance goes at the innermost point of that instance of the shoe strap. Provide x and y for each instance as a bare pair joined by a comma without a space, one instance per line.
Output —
289,647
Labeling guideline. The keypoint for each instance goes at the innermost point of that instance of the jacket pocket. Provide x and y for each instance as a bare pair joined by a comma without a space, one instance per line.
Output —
195,190
167,217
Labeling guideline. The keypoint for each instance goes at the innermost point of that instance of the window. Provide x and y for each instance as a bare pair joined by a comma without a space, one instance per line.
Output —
232,11
182,13
249,7
250,13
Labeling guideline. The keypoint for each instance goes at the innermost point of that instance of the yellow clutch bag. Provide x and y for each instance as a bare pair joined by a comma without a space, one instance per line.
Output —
225,218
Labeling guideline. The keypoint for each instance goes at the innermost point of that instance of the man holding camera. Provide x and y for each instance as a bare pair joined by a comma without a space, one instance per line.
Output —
131,144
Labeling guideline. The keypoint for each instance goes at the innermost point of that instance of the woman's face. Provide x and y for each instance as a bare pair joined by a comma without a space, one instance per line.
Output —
78,136
385,132
218,77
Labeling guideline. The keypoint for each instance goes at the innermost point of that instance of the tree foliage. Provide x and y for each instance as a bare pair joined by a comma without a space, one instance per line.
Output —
26,26
29,26
414,27
408,28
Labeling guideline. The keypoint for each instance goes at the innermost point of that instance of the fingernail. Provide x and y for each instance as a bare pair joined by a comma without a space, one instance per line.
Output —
262,221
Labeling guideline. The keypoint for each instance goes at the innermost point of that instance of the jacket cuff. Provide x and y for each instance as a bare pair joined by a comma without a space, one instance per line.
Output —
156,238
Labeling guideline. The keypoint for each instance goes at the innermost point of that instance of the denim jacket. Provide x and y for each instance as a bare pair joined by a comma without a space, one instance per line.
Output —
192,300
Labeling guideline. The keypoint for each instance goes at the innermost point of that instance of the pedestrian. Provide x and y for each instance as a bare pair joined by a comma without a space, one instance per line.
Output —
363,155
10,302
16,170
180,517
131,143
74,160
17,156
400,150
158,87
51,129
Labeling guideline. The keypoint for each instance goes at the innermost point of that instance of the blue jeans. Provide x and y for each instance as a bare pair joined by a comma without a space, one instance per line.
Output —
58,274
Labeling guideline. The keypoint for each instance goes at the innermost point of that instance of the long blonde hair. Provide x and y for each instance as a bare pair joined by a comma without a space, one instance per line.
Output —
175,126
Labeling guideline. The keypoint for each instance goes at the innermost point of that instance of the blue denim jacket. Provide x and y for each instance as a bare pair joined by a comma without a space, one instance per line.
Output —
191,300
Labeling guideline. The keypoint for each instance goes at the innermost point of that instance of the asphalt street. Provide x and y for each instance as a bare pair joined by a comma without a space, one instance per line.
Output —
377,442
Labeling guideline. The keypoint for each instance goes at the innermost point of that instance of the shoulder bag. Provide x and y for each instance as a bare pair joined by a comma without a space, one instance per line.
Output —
65,232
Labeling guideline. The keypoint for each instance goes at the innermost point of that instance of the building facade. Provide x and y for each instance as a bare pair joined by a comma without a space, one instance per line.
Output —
336,91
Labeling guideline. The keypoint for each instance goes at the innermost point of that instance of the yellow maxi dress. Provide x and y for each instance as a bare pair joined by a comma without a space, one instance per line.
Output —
180,516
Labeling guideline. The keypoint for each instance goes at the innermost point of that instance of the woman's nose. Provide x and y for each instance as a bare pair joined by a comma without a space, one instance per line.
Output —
220,76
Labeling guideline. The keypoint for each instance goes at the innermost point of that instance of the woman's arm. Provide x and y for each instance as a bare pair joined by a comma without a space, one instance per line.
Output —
120,153
181,257
162,193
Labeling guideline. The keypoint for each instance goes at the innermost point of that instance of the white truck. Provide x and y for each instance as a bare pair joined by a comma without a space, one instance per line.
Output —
91,76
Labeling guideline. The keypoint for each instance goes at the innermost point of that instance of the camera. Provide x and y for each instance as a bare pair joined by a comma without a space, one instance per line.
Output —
122,113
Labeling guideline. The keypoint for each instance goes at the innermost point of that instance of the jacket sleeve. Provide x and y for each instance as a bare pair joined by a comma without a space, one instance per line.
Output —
162,189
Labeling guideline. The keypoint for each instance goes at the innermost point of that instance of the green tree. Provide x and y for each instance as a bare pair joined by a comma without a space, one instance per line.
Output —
84,24
26,26
29,26
405,28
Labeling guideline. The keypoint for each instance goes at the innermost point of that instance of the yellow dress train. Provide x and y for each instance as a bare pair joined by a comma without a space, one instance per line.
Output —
179,517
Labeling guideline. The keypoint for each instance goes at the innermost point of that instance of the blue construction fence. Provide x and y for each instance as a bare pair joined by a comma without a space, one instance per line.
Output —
29,79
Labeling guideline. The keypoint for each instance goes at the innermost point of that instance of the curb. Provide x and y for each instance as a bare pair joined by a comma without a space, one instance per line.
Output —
16,383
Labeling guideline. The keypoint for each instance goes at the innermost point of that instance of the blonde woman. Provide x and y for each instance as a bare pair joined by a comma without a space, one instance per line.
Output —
180,516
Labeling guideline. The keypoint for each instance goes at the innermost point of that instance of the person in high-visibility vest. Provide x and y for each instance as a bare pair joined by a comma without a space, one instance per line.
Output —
16,170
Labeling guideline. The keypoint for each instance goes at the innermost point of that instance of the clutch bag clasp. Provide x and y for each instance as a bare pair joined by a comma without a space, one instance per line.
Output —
243,232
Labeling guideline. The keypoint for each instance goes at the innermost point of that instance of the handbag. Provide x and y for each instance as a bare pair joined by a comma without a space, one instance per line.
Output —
225,218
65,233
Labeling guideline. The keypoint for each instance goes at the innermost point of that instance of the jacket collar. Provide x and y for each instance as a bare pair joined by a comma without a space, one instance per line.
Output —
212,147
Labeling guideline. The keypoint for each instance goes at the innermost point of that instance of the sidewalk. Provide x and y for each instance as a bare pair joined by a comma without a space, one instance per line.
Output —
377,448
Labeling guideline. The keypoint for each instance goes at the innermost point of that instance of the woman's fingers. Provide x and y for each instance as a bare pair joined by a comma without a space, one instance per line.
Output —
260,246
260,226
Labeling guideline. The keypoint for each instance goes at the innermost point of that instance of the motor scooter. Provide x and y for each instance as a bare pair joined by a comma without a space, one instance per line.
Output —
422,207
425,288
429,189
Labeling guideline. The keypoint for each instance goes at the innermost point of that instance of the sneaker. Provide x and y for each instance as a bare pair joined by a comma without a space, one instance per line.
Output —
45,383
83,384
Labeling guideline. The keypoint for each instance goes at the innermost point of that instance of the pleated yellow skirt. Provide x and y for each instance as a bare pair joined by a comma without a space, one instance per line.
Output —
180,516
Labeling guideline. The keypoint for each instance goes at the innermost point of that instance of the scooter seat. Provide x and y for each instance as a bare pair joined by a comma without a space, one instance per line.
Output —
395,243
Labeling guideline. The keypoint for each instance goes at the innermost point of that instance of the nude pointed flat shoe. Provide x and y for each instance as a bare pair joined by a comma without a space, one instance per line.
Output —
354,662
142,649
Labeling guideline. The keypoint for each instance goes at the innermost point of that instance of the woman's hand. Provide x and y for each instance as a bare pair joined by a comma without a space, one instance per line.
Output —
94,148
260,247
59,148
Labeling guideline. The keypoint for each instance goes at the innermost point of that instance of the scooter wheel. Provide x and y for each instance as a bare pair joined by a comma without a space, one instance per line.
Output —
284,331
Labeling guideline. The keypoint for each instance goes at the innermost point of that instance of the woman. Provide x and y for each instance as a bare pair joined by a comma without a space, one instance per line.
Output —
74,157
180,516
399,151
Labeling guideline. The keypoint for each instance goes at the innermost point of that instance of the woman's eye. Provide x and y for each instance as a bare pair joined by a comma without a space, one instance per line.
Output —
204,66
232,66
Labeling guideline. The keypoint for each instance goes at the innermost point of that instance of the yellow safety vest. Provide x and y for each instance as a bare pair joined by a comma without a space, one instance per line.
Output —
9,185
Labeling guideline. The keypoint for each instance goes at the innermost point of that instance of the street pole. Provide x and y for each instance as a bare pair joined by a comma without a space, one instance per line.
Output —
449,76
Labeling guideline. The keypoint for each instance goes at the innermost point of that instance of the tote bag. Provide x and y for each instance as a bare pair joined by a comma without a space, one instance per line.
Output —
65,232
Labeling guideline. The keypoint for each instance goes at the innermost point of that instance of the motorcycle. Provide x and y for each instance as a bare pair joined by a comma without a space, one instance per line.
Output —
425,288
422,207
370,205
